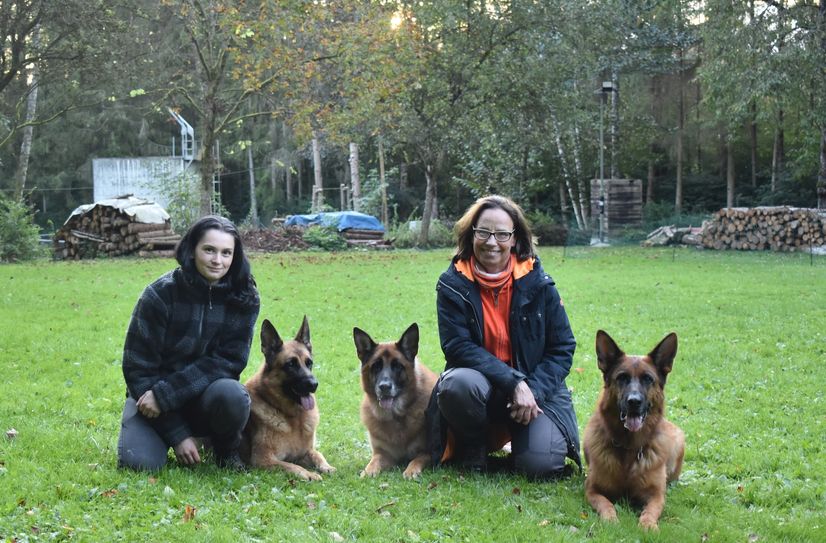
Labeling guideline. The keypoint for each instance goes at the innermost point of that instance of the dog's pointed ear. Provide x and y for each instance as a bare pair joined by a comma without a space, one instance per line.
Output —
409,342
608,352
364,344
663,354
303,335
270,340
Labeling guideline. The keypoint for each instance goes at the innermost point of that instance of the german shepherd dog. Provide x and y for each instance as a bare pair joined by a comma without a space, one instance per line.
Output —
632,451
397,388
281,429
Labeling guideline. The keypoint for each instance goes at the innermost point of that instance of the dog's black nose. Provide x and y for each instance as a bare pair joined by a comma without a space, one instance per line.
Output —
634,401
312,385
384,388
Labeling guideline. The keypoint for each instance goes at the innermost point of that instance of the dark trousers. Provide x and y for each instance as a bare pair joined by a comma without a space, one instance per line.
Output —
220,413
470,403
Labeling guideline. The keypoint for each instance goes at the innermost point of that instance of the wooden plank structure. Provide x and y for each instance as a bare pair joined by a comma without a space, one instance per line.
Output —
623,204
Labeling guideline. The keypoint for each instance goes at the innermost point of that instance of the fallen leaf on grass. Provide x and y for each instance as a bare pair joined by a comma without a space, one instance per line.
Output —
703,538
579,370
518,508
335,536
544,522
583,515
432,485
11,433
152,480
739,488
753,538
384,486
111,493
189,513
311,505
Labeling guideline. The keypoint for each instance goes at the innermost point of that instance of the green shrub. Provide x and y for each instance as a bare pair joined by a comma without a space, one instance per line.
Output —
325,237
406,235
19,235
547,230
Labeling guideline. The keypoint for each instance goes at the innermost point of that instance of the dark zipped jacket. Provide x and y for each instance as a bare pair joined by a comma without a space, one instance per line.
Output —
184,335
542,347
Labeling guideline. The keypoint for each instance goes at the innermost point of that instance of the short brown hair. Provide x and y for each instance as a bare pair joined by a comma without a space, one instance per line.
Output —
463,230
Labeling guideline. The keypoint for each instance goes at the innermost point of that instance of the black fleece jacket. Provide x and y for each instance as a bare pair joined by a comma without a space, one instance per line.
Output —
185,334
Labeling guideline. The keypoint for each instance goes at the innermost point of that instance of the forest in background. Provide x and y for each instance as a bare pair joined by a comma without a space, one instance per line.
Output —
713,103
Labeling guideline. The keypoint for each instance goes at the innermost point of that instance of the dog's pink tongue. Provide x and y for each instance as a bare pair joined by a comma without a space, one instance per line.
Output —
386,403
307,402
633,424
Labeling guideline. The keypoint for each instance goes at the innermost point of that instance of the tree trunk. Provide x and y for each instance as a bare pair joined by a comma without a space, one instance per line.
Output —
318,194
821,176
652,146
355,181
650,189
614,124
566,175
31,110
207,171
753,141
699,133
428,204
383,185
563,205
253,215
778,151
430,173
584,203
729,175
678,194
403,175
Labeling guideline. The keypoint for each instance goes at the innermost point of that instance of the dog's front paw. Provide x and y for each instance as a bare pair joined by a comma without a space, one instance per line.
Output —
372,469
306,475
648,522
412,472
608,515
326,468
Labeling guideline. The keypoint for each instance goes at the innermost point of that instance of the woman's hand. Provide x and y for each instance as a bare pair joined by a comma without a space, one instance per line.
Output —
523,405
187,452
148,405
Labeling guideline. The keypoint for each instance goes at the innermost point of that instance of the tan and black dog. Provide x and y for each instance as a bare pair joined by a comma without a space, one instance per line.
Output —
281,429
397,387
632,451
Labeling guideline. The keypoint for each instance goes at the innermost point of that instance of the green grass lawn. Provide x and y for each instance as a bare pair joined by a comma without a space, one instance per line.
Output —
747,388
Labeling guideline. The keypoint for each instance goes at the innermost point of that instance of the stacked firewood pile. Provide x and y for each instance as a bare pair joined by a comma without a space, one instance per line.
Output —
759,228
373,239
116,227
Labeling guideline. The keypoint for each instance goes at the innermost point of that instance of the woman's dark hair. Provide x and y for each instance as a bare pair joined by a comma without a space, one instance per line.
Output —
463,230
240,277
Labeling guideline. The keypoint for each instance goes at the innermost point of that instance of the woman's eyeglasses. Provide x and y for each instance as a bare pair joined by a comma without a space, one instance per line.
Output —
500,235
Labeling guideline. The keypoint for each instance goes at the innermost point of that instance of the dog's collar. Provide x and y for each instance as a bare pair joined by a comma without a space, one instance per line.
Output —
619,445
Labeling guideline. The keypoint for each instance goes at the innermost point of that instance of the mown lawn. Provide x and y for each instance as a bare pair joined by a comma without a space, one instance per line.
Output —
747,388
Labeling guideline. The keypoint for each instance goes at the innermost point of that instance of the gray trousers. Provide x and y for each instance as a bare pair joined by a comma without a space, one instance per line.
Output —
220,413
470,403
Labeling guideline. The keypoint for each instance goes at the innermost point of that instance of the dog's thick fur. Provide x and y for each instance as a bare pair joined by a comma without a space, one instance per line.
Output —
397,387
283,414
632,451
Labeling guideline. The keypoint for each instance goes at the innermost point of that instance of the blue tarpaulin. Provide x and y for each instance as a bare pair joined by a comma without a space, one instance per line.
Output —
341,220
